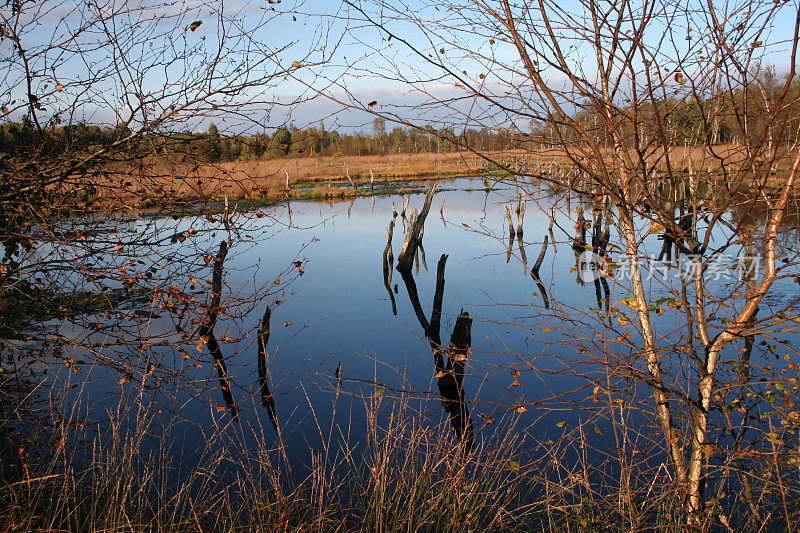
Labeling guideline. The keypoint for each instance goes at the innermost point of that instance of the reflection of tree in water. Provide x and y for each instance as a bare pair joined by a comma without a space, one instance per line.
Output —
450,374
579,243
266,397
601,233
207,330
521,245
388,259
208,337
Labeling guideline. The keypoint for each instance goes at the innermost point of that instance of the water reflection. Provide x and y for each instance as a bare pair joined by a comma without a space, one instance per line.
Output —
535,270
388,264
207,330
601,233
266,397
451,374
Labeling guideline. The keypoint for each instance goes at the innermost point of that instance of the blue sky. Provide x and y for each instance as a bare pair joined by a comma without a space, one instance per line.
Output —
361,64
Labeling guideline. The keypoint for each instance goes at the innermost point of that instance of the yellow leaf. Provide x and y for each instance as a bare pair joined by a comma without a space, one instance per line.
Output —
59,88
679,78
630,302
296,64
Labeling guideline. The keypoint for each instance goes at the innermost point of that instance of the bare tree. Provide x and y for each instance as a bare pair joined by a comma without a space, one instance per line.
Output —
96,99
628,102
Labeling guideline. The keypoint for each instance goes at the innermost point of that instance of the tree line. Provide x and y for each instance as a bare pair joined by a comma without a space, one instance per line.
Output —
723,118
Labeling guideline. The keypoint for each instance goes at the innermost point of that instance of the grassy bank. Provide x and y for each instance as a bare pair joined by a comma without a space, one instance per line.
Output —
406,475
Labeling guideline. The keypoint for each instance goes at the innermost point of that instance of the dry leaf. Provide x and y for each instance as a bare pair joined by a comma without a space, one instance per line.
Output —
373,103
196,24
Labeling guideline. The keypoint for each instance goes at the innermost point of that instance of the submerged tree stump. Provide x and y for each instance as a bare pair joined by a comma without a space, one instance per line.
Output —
405,261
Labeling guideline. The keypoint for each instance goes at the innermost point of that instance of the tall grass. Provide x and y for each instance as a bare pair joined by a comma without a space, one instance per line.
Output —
406,474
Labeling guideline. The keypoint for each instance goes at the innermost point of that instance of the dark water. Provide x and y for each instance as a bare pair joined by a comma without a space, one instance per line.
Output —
526,362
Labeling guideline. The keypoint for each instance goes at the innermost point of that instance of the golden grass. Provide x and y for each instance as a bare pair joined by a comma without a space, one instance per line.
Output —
158,180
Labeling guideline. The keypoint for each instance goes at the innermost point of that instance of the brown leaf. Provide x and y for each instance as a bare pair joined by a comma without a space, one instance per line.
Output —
196,24
373,103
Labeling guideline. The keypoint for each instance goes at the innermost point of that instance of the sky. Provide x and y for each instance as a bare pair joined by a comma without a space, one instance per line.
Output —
260,64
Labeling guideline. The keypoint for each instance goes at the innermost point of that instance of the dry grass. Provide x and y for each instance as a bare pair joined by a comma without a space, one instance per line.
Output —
407,474
161,182
266,179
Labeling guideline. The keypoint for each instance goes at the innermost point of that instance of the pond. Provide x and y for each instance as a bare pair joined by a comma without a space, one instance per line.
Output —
351,339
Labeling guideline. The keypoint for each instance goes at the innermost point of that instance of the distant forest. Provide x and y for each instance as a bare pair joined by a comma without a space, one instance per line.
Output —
719,119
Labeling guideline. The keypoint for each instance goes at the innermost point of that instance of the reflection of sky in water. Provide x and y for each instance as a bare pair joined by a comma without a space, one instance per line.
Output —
339,310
